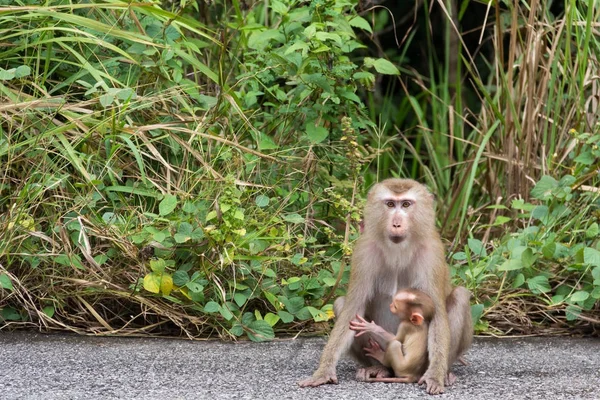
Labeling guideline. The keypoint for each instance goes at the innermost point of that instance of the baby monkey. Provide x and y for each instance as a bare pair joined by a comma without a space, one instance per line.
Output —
405,353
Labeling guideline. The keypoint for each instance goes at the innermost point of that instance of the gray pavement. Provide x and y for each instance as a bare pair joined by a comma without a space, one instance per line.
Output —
58,366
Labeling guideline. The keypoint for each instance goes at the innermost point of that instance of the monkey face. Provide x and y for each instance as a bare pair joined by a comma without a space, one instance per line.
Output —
398,307
398,210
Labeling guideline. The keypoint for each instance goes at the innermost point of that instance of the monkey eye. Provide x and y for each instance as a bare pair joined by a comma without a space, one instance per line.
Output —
406,204
390,204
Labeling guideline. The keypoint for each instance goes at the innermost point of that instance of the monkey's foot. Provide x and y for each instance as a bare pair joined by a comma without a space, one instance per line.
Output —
450,379
434,386
462,360
374,371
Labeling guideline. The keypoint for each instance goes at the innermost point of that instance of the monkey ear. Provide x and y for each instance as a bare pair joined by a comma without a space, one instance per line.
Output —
416,318
431,194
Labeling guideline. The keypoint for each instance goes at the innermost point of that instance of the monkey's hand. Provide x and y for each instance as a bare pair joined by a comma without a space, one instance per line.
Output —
374,351
319,378
434,385
361,326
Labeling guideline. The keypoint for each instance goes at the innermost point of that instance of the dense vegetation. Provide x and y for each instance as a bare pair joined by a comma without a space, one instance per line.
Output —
199,168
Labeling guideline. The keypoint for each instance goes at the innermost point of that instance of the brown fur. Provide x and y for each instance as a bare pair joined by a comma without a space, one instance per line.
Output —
406,353
380,267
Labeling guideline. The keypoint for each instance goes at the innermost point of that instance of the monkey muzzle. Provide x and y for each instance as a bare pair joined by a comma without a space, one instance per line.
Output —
397,238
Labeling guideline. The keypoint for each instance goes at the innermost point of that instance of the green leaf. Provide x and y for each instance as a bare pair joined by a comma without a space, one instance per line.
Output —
272,319
167,205
538,284
294,218
279,7
592,231
476,312
198,234
528,258
501,220
304,314
541,213
347,94
239,214
185,228
211,215
237,329
22,71
260,331
364,75
596,273
510,265
297,259
107,99
101,259
272,299
585,158
189,207
212,307
49,311
266,143
10,314
549,250
159,236
382,66
262,200
158,265
317,315
180,278
572,312
318,80
5,282
591,256
329,281
225,313
74,261
268,272
294,283
543,189
477,247
181,238
195,287
316,134
240,299
360,22
293,305
259,40
519,204
580,295
285,316
519,281
324,36
7,75
298,46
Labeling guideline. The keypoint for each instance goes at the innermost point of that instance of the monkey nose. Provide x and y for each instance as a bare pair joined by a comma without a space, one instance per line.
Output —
397,225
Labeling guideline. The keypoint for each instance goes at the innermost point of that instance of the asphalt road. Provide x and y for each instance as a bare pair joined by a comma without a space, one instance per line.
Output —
38,366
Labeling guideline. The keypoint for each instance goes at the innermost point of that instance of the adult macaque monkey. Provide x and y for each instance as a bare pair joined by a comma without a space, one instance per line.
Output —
399,248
